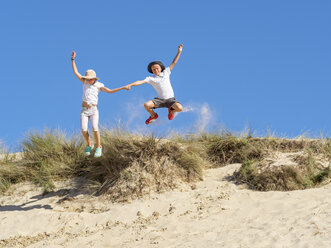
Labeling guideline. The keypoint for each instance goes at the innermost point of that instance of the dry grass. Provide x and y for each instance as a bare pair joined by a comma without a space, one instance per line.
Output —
283,178
46,157
10,170
134,165
309,168
130,167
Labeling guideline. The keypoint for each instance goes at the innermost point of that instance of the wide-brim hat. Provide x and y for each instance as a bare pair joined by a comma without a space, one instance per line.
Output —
149,67
90,74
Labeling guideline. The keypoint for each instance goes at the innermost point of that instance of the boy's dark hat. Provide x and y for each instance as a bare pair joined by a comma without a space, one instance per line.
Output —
149,67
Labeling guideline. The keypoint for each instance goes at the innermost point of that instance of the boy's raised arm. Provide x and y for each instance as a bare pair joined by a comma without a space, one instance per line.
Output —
180,49
74,67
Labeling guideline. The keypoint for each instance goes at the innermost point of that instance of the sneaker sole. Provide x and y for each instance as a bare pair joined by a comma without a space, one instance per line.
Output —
150,122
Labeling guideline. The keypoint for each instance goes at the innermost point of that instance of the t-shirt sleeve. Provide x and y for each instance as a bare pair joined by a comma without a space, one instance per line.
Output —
167,70
99,85
148,80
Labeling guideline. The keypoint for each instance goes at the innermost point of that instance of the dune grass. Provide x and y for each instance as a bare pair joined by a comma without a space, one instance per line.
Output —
133,165
46,157
283,178
312,169
51,156
10,171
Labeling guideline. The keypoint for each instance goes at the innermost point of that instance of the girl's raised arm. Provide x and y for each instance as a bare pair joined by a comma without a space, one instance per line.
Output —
74,67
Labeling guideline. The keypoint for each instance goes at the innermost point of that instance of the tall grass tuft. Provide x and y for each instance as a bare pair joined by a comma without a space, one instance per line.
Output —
51,156
227,148
12,173
134,165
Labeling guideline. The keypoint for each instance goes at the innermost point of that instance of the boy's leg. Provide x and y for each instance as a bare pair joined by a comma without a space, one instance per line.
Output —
176,107
149,107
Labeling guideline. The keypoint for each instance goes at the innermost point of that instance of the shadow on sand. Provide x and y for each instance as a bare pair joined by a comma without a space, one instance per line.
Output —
77,188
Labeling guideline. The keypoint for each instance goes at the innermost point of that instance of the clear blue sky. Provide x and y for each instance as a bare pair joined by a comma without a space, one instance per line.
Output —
258,64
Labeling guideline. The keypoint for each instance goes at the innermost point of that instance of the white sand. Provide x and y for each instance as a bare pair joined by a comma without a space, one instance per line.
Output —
215,213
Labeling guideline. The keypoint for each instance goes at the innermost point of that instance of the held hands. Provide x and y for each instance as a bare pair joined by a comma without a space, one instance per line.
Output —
126,87
180,48
73,55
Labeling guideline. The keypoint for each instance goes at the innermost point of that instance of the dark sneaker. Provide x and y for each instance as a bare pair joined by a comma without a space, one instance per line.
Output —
171,115
151,119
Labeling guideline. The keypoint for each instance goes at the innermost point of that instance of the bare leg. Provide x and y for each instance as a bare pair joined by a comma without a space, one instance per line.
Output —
177,107
149,107
87,138
97,138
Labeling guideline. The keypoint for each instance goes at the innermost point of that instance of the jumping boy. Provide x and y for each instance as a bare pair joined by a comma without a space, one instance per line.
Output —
161,83
91,89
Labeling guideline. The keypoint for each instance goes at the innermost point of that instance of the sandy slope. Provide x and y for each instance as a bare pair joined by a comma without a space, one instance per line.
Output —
213,213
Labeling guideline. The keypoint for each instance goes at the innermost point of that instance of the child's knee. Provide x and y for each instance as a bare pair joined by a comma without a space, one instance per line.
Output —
148,105
95,129
177,107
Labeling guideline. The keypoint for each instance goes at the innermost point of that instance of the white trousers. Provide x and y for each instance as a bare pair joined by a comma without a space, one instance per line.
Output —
89,113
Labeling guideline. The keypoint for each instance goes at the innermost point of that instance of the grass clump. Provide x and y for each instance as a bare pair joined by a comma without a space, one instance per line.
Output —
308,170
227,149
307,173
11,173
50,156
132,165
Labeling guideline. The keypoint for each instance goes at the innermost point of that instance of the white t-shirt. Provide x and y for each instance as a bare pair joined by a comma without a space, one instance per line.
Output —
90,92
162,84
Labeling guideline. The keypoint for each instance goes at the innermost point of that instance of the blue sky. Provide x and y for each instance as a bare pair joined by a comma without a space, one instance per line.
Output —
257,64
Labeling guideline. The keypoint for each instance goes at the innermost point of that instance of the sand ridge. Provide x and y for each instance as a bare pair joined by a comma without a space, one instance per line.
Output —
211,213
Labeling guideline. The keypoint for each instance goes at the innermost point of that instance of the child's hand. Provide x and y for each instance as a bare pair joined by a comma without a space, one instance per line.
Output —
180,48
127,87
73,55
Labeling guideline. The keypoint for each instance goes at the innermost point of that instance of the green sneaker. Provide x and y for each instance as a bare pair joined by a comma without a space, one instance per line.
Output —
88,150
98,152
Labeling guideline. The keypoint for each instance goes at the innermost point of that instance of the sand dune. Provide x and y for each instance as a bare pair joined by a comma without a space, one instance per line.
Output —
212,213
